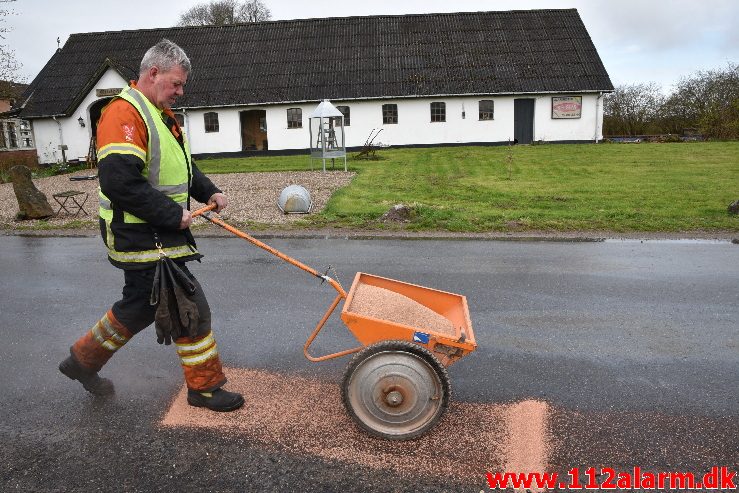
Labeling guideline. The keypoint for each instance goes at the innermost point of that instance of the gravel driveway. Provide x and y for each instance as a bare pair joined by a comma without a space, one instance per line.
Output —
252,196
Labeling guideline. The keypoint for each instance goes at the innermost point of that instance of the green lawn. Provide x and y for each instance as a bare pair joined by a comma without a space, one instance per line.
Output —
559,187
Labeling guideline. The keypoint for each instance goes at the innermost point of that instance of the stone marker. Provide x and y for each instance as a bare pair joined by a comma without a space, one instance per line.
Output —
398,213
734,207
32,204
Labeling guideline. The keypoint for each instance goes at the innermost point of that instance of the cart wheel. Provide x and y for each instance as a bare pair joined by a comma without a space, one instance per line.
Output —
395,390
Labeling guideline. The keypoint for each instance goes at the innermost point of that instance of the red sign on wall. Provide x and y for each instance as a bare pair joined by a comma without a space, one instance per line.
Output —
566,107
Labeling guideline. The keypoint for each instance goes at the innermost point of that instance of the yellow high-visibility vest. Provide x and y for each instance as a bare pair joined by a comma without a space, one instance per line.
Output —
166,167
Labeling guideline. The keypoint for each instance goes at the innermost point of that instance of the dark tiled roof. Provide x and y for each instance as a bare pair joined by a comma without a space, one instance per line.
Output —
11,90
343,58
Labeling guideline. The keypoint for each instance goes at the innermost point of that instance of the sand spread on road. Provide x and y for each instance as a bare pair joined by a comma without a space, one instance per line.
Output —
306,416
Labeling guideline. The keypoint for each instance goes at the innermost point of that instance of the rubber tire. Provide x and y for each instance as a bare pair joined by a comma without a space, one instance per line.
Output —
407,347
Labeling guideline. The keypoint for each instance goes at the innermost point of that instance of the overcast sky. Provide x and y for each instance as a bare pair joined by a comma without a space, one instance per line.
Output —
638,40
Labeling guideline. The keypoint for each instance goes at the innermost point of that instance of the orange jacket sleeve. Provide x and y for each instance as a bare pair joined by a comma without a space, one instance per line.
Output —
121,126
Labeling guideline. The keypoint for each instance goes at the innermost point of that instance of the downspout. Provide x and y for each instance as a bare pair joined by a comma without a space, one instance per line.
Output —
61,139
187,125
597,103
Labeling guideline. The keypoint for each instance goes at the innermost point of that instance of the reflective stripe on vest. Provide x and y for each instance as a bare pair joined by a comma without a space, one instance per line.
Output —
145,255
120,148
150,255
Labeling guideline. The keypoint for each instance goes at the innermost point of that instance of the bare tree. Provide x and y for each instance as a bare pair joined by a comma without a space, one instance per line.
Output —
255,11
707,100
632,109
223,12
9,64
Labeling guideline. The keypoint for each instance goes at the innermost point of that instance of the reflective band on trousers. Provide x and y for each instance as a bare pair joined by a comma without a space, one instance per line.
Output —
195,353
106,335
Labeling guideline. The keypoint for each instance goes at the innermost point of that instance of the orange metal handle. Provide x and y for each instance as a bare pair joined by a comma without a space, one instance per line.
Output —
202,210
341,294
218,222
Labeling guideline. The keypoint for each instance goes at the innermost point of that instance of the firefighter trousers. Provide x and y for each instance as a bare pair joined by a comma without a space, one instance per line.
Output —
133,313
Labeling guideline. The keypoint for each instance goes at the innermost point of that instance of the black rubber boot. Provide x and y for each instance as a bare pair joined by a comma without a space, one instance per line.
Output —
90,380
219,400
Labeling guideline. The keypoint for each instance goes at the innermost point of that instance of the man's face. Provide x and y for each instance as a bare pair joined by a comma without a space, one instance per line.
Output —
168,86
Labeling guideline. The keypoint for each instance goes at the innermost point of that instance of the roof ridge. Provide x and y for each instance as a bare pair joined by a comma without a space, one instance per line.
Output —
326,19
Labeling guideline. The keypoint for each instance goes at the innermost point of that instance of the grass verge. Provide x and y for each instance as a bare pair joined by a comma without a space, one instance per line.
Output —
550,187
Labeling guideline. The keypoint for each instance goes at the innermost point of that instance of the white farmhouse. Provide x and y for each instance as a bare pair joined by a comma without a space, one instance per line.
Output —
431,79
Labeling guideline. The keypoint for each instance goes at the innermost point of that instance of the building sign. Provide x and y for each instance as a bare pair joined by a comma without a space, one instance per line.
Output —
566,107
106,93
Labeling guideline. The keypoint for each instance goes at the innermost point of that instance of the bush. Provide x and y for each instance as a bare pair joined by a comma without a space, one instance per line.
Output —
706,100
59,169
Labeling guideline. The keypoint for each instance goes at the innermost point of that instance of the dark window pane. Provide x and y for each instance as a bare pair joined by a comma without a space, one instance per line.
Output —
12,137
211,121
294,118
180,119
486,109
344,111
438,112
389,114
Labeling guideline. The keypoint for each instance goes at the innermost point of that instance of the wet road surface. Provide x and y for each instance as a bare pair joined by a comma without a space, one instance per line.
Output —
612,354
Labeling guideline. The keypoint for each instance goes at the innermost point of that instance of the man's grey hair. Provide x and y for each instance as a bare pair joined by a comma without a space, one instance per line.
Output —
165,55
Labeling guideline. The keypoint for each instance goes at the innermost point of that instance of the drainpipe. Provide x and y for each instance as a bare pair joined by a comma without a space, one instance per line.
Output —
597,103
187,125
62,147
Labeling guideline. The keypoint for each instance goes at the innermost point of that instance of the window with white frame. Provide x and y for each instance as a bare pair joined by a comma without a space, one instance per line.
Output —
487,108
389,114
438,112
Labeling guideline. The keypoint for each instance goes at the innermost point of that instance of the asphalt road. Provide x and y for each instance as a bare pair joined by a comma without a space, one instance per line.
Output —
632,347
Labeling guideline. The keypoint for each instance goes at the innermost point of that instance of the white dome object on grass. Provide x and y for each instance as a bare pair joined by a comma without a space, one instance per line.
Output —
295,199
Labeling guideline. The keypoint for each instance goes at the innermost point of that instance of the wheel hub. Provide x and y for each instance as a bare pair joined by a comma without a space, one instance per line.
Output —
394,398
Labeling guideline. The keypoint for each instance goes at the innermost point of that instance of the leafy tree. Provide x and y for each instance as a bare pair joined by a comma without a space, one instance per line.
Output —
223,12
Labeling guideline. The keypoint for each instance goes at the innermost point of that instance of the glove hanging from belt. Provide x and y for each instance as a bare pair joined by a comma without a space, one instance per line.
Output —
177,313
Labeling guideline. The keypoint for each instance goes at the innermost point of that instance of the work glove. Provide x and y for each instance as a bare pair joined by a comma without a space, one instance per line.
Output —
177,313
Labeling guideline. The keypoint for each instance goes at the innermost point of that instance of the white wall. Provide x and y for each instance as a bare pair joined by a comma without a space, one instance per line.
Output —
415,127
49,134
584,128
227,139
414,124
